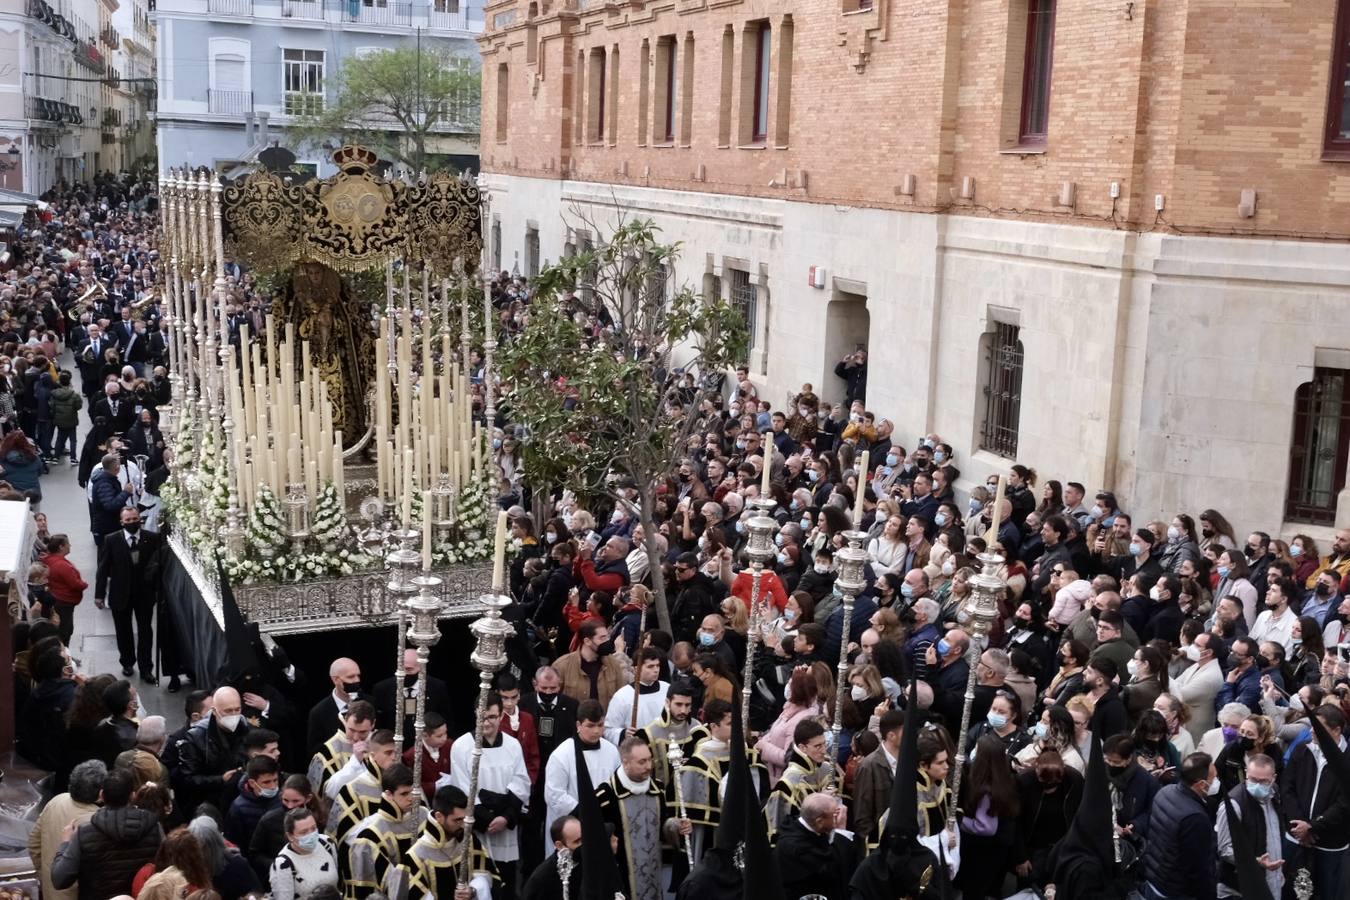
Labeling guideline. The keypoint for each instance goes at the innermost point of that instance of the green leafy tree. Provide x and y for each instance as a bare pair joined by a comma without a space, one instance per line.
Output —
396,102
600,414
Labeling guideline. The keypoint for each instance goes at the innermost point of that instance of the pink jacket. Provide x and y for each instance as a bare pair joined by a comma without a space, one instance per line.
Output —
776,743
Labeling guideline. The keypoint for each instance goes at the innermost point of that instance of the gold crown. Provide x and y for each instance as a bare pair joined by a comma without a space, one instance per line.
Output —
354,159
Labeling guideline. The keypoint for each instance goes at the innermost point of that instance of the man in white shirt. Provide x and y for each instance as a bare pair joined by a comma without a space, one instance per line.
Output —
560,776
1276,622
620,720
503,787
1199,684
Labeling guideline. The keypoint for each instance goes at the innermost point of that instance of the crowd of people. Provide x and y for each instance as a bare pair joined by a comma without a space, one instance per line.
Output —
1175,667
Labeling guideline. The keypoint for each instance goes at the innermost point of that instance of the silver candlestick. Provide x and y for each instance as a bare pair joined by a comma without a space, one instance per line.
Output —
489,658
297,516
675,754
760,549
986,588
852,582
401,588
425,608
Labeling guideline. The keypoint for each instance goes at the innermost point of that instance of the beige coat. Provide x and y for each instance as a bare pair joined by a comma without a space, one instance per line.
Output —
45,840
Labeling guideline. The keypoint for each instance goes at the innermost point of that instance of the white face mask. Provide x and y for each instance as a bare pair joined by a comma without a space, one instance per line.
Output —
1213,789
1193,653
822,570
1132,666
229,723
858,693
948,567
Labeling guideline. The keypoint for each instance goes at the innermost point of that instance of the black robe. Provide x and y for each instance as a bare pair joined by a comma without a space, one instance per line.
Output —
813,863
545,883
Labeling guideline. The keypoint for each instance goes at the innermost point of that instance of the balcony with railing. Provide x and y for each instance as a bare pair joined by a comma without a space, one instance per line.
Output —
303,9
301,103
440,15
375,12
229,103
229,7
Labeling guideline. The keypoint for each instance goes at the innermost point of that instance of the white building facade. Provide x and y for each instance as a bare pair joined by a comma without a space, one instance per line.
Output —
232,73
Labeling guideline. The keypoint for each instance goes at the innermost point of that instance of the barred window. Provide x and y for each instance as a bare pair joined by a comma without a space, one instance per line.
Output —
1002,390
743,299
1318,452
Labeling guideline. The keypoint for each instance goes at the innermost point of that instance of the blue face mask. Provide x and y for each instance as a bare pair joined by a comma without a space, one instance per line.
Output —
1041,731
707,640
1136,549
782,559
943,647
1223,571
941,519
794,506
1259,792
496,443
778,539
892,460
308,842
906,590
740,527
813,474
939,457
995,720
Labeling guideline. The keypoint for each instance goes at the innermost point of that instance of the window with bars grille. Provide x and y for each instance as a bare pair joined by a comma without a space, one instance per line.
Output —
743,300
1002,390
1318,452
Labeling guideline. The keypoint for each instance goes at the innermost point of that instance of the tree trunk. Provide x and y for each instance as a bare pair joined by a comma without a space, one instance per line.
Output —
654,560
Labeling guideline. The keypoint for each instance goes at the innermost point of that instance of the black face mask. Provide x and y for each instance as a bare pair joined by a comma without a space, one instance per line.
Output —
1116,771
352,687
409,680
1323,589
1022,623
546,701
1247,744
131,527
606,648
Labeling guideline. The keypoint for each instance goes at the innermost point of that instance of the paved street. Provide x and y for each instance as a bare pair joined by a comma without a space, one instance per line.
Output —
94,644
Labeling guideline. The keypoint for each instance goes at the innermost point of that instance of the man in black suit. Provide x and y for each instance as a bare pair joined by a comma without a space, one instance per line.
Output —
324,715
389,696
117,410
128,576
555,721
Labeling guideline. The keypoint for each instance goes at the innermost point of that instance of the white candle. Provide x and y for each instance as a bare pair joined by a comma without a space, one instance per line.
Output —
293,470
766,477
426,531
407,488
998,512
499,554
339,477
862,492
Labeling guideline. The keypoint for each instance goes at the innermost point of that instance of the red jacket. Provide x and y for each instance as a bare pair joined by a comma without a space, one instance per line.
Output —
432,769
63,579
529,741
770,585
611,582
575,616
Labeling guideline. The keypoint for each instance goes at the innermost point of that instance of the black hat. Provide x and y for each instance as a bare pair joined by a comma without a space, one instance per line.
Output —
1085,860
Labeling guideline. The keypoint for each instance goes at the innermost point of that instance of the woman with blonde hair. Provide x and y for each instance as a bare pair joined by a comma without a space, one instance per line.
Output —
167,885
736,616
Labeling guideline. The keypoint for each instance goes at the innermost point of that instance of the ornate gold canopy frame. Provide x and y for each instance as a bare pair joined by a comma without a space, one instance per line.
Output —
355,220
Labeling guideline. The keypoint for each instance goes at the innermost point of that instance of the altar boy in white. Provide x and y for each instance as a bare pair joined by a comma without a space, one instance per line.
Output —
503,788
560,775
651,699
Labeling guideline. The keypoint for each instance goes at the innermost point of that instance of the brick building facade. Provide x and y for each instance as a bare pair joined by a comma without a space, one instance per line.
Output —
1105,239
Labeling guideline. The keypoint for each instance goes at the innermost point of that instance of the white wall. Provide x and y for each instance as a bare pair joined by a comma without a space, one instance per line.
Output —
1162,367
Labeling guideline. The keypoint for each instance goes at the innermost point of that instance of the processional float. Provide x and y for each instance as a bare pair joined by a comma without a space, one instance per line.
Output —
341,401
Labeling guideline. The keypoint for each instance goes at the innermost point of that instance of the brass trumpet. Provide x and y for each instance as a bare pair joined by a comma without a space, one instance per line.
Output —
77,308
